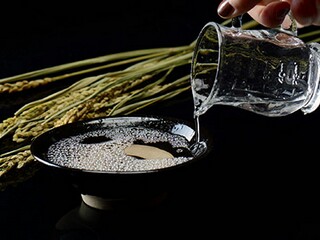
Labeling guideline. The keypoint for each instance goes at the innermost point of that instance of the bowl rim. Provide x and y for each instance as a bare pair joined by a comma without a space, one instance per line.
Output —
37,141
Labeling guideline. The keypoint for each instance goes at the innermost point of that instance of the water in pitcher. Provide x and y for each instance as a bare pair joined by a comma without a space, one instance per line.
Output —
268,72
253,78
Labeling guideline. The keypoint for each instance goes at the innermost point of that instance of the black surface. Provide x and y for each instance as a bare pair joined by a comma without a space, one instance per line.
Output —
261,180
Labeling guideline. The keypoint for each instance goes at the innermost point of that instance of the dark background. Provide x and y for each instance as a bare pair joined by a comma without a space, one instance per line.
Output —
261,180
46,33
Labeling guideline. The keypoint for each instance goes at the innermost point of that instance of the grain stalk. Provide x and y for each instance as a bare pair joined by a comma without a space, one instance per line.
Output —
109,85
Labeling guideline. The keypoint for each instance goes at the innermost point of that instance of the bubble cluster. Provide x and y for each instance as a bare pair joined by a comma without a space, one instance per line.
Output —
104,150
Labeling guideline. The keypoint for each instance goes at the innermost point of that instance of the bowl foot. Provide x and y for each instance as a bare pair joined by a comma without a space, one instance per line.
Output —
130,203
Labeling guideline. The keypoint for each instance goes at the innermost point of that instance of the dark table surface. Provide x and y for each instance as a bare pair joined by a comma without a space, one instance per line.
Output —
260,180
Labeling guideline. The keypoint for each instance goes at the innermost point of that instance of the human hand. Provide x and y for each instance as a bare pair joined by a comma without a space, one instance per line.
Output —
271,13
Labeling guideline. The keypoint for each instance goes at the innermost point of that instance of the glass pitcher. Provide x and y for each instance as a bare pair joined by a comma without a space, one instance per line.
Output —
269,71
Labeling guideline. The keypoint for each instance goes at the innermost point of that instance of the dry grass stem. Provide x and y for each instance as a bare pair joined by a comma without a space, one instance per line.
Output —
114,84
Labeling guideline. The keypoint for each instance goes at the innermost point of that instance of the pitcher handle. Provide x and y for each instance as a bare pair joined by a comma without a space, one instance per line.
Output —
289,25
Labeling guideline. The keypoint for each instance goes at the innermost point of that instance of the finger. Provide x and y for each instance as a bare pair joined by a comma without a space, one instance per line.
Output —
306,12
271,15
232,8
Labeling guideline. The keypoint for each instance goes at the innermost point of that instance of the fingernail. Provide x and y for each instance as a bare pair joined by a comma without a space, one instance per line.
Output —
225,9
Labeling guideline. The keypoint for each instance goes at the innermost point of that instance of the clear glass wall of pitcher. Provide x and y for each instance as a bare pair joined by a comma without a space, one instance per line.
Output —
269,71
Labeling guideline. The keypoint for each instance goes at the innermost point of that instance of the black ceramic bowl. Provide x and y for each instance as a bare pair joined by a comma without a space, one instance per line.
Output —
82,153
